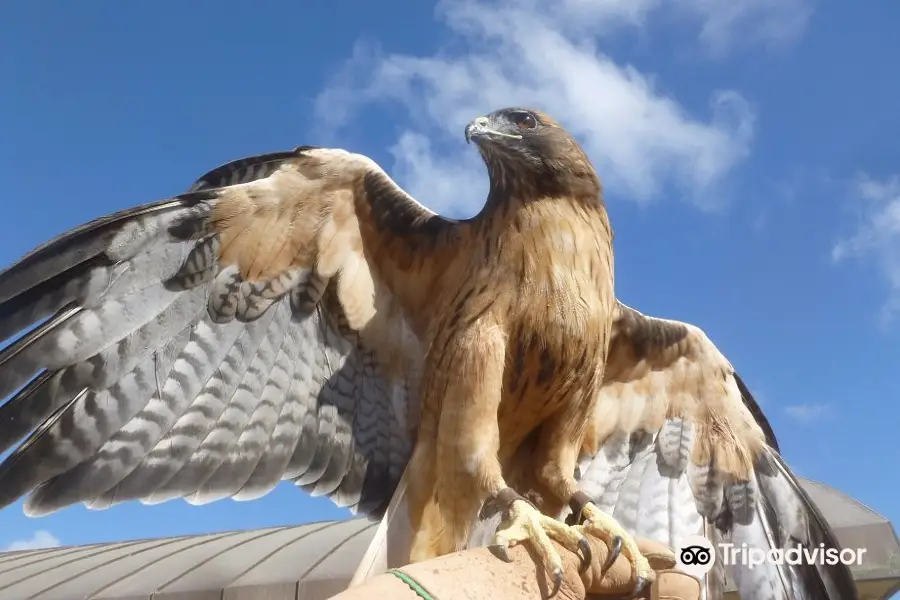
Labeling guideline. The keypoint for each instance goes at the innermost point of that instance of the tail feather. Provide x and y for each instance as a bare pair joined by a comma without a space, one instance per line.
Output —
391,544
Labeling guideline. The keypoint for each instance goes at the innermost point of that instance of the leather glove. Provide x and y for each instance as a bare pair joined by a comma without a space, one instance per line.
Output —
477,574
669,584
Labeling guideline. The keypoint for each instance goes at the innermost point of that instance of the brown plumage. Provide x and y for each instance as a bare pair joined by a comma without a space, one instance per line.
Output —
521,340
297,316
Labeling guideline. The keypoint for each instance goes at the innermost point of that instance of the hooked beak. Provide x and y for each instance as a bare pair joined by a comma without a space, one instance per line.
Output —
481,128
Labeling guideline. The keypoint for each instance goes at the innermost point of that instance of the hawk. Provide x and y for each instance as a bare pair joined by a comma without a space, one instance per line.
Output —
298,316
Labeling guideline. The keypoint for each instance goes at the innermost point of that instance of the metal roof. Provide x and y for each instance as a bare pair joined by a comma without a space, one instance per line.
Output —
311,561
321,555
840,509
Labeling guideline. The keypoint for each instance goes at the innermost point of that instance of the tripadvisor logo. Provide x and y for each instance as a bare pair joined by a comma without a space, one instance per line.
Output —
819,555
696,556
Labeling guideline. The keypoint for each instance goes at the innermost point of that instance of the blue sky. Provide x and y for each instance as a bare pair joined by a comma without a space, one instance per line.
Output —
748,148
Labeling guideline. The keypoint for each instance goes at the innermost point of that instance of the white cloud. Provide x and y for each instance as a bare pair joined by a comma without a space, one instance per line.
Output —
723,26
877,235
546,55
41,539
767,22
807,413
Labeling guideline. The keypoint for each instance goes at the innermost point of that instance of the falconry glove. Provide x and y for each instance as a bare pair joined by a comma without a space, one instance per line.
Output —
476,573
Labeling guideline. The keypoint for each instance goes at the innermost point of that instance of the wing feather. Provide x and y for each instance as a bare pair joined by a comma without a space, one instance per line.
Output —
263,326
702,461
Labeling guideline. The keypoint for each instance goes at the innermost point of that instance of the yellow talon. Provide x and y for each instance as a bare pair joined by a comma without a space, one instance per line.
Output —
526,523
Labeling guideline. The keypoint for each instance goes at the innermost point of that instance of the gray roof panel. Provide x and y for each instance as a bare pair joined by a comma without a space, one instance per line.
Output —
840,509
348,539
154,569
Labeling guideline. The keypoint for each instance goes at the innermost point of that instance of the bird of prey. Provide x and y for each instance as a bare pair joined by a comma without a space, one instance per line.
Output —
298,316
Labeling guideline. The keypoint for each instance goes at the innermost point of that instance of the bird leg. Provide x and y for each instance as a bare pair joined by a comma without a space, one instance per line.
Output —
555,469
463,396
524,522
591,520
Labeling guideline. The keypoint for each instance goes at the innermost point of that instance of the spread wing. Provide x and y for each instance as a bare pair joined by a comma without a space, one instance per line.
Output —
679,447
260,327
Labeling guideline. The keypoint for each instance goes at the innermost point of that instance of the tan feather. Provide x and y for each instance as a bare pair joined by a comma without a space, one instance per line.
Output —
674,371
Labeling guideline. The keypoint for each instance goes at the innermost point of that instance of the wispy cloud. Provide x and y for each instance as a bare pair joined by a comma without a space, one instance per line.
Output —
877,234
725,25
41,539
807,413
547,55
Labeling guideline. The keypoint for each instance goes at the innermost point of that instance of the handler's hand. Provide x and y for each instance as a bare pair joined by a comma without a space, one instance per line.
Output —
479,575
618,580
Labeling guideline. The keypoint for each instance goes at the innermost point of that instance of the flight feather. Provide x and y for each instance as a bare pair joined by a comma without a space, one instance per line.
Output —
254,329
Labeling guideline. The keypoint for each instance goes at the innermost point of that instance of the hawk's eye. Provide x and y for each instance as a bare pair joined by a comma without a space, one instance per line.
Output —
524,120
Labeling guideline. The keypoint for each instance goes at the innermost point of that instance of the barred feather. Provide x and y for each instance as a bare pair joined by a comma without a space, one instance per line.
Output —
216,343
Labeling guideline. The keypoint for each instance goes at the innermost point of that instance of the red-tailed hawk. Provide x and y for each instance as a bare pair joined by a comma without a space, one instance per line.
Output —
297,316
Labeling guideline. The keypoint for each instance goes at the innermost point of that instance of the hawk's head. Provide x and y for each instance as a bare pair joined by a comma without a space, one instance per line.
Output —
525,147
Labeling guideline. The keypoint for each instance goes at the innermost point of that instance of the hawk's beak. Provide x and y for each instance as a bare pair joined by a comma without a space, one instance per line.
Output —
481,128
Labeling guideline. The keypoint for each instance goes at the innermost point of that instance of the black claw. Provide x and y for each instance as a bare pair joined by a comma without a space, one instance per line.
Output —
503,553
639,585
587,554
557,582
615,550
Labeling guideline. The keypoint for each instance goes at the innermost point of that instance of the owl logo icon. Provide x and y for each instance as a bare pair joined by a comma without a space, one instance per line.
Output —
695,556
